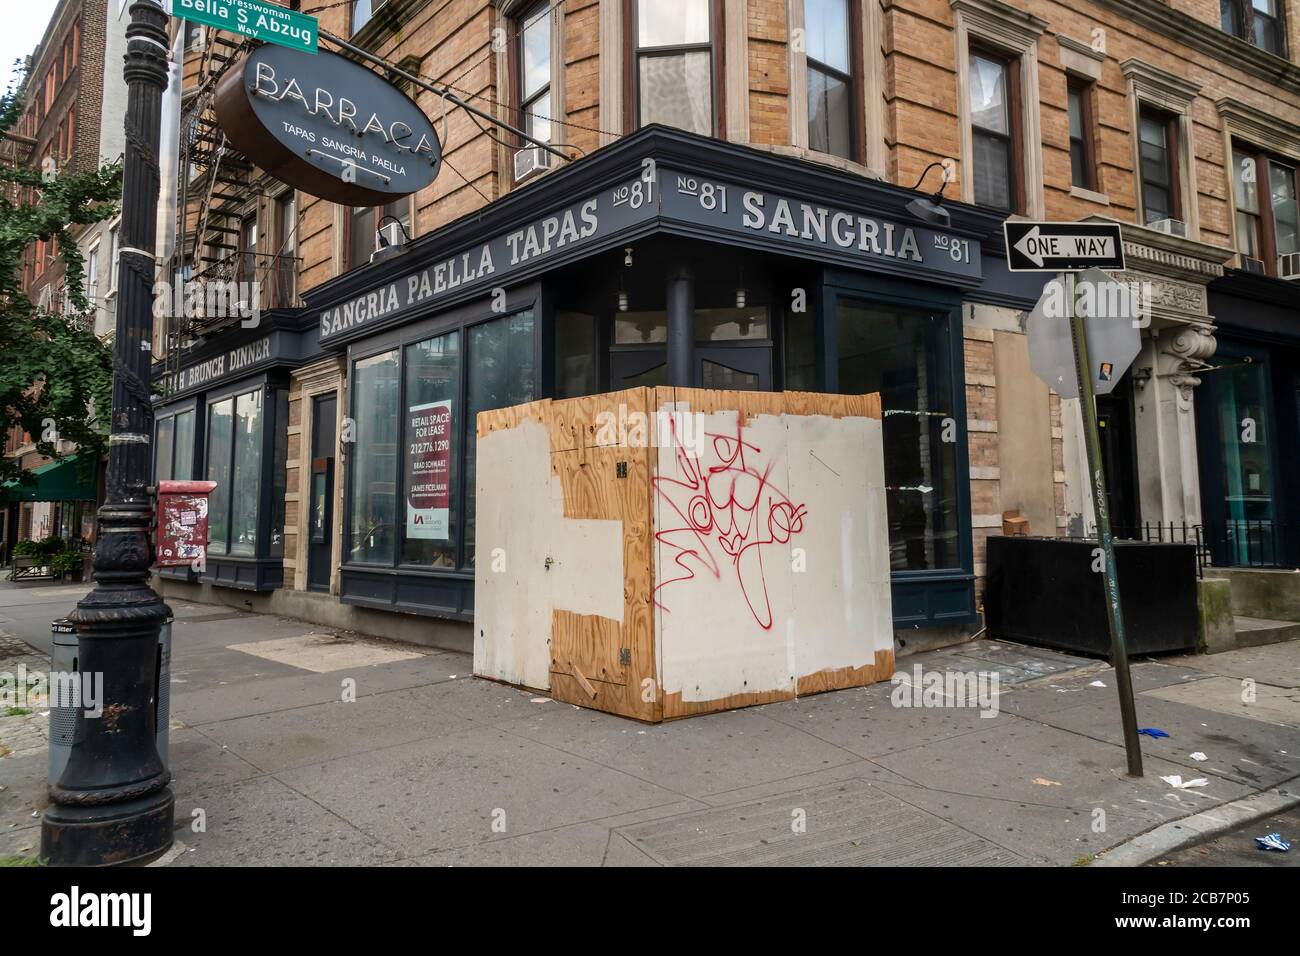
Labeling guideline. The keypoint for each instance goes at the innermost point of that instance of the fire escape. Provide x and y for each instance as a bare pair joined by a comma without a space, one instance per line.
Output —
216,185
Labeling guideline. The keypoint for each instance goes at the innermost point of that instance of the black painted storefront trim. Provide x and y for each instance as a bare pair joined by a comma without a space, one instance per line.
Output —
678,151
406,588
1257,318
431,594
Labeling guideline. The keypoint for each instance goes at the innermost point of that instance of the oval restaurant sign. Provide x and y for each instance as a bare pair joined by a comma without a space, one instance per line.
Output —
328,126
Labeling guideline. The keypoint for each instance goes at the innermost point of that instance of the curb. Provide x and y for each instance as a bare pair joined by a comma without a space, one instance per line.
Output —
1198,828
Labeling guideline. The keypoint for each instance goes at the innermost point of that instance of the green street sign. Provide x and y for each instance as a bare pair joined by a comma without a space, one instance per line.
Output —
258,19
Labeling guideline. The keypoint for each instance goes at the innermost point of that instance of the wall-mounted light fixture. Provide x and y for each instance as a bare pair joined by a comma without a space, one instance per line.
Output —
930,208
622,289
1141,376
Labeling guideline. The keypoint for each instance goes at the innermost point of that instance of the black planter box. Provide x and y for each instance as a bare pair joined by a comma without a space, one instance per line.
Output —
1044,592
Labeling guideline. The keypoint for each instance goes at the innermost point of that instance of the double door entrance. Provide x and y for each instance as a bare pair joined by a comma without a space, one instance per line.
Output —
733,349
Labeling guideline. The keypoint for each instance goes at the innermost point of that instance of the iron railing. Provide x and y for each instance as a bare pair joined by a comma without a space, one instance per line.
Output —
1249,543
1224,544
244,280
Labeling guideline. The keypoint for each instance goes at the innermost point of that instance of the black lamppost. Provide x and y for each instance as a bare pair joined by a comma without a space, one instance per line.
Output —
112,804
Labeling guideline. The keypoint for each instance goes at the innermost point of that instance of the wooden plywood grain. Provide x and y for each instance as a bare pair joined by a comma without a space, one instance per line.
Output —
675,707
598,662
709,401
834,406
500,419
881,670
576,422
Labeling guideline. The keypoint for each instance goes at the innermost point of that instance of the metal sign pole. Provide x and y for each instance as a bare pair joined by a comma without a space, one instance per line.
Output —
1114,613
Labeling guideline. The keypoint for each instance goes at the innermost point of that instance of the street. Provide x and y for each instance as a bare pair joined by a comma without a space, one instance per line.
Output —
1237,847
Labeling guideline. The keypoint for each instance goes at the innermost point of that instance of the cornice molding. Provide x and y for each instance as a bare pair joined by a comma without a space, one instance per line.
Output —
1001,22
1160,86
509,8
1209,39
320,375
1259,128
1078,46
1158,253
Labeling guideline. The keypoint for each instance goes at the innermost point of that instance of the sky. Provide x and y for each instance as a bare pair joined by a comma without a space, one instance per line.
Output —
24,24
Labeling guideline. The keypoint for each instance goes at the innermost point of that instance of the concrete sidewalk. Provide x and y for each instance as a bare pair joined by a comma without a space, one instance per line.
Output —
432,766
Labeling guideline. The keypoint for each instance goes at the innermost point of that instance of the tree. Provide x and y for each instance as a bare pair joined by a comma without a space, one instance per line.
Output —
55,374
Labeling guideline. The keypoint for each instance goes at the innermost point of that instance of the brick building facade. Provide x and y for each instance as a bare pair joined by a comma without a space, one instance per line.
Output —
59,130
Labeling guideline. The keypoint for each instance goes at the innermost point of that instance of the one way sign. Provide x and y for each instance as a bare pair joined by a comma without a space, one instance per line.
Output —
1063,246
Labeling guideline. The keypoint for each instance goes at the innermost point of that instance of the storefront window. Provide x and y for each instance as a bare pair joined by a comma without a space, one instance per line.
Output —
1243,410
577,343
174,447
183,454
432,420
374,461
640,328
502,374
800,351
904,355
435,436
164,443
279,475
235,430
221,430
731,325
247,473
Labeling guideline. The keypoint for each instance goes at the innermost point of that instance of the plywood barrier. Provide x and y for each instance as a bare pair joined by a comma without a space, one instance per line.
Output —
665,552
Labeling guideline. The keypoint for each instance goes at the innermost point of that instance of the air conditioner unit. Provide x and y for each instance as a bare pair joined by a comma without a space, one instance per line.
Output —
1253,265
1288,266
1170,227
532,160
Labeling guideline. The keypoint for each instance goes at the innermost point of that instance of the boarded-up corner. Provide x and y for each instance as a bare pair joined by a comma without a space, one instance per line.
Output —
661,553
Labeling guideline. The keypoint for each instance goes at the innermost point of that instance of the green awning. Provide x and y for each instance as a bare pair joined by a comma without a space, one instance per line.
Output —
55,481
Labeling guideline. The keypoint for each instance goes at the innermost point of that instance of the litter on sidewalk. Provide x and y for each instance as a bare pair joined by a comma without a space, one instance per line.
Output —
1178,783
1273,841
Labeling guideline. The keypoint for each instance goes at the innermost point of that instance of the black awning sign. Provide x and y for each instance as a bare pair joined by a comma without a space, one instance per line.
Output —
1063,246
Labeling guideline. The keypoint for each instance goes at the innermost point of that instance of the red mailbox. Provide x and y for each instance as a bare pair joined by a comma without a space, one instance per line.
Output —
182,522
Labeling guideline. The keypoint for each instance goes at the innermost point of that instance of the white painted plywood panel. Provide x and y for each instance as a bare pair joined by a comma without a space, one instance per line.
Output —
724,589
513,607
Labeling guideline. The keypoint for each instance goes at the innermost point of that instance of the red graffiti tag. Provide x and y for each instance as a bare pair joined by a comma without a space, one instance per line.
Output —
731,506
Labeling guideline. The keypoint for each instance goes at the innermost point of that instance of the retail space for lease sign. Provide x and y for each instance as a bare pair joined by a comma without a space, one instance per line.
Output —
428,477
